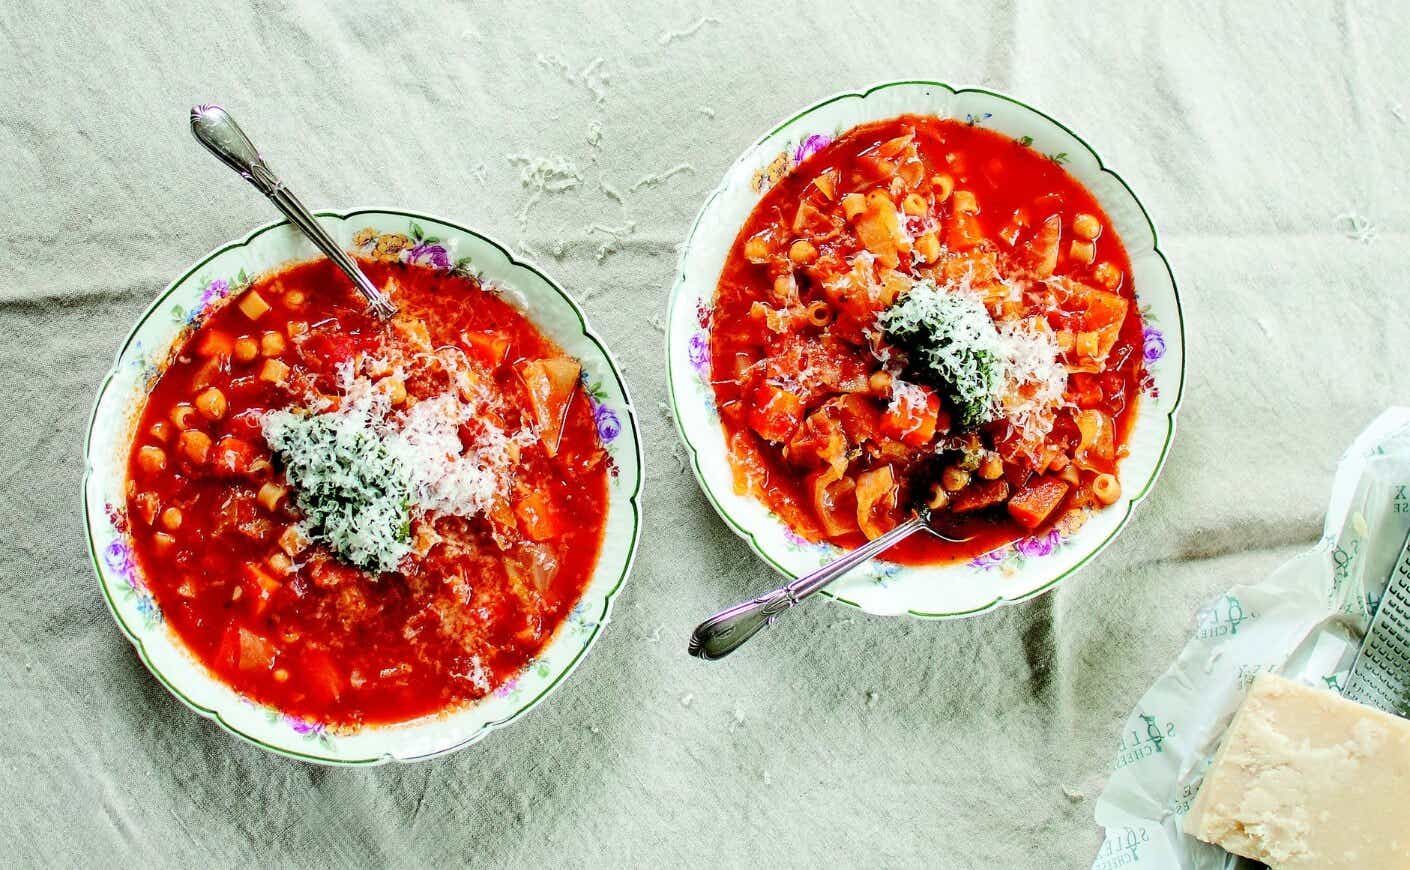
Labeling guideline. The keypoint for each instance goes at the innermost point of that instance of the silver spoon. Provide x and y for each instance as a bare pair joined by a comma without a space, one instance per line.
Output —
215,129
727,630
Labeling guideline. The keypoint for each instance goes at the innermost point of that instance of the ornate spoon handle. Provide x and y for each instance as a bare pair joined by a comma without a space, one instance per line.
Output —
215,129
727,630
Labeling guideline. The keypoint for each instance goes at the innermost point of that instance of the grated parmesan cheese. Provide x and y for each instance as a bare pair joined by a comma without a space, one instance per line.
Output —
362,470
1035,379
950,340
1008,371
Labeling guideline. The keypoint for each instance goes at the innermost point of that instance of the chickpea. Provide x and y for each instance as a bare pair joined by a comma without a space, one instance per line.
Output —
1108,276
1086,226
281,563
183,415
954,478
992,468
295,299
151,459
880,383
195,445
211,403
785,287
914,204
171,519
271,344
161,430
281,675
803,252
1082,251
246,349
756,250
1106,488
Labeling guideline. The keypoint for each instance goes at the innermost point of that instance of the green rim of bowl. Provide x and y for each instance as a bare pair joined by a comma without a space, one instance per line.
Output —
748,536
634,499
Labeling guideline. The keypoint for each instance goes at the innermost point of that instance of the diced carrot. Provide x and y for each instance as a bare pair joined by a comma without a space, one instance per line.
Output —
232,456
962,231
551,384
1033,504
324,679
486,348
775,413
909,421
979,496
216,343
537,517
227,653
264,585
256,653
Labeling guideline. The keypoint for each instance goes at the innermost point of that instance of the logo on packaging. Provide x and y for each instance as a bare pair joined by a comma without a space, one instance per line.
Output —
1121,848
1221,617
1143,740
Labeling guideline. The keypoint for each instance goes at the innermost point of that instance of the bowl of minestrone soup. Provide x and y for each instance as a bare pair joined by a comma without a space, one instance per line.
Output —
352,540
922,298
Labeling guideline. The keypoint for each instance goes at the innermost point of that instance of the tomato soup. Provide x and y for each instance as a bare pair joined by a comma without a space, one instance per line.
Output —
365,521
926,315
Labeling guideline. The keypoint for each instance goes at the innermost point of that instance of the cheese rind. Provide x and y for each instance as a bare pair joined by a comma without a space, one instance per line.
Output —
1307,779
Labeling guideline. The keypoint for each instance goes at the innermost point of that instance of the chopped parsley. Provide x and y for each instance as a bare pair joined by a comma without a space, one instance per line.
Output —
950,344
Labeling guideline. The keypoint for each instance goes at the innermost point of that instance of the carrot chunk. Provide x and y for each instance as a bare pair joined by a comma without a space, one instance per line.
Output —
1033,504
978,496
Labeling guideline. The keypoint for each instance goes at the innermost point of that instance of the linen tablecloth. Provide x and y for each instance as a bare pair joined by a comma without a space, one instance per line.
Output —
1269,142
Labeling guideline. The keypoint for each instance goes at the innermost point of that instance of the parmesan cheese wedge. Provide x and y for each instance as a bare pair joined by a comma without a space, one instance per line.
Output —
1307,779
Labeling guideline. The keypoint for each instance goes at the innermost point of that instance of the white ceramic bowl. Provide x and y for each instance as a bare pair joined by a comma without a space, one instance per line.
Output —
175,313
1012,573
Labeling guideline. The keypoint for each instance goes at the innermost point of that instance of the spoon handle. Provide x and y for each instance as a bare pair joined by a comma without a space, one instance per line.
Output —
727,630
217,130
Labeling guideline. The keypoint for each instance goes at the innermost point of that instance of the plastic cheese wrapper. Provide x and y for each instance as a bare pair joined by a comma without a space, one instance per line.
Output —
1305,621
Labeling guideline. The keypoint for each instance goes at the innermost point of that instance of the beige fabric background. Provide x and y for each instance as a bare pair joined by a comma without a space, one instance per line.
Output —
1250,131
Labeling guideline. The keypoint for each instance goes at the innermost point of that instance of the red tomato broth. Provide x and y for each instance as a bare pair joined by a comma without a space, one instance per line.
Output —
328,642
1005,176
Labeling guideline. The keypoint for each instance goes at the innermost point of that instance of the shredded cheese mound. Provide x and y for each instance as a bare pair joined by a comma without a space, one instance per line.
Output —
949,336
362,469
354,495
1035,381
1010,370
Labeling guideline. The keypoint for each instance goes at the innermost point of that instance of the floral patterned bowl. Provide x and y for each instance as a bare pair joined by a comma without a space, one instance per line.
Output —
179,310
1011,573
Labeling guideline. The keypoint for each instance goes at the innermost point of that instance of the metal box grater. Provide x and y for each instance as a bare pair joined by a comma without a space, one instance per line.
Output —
1380,674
